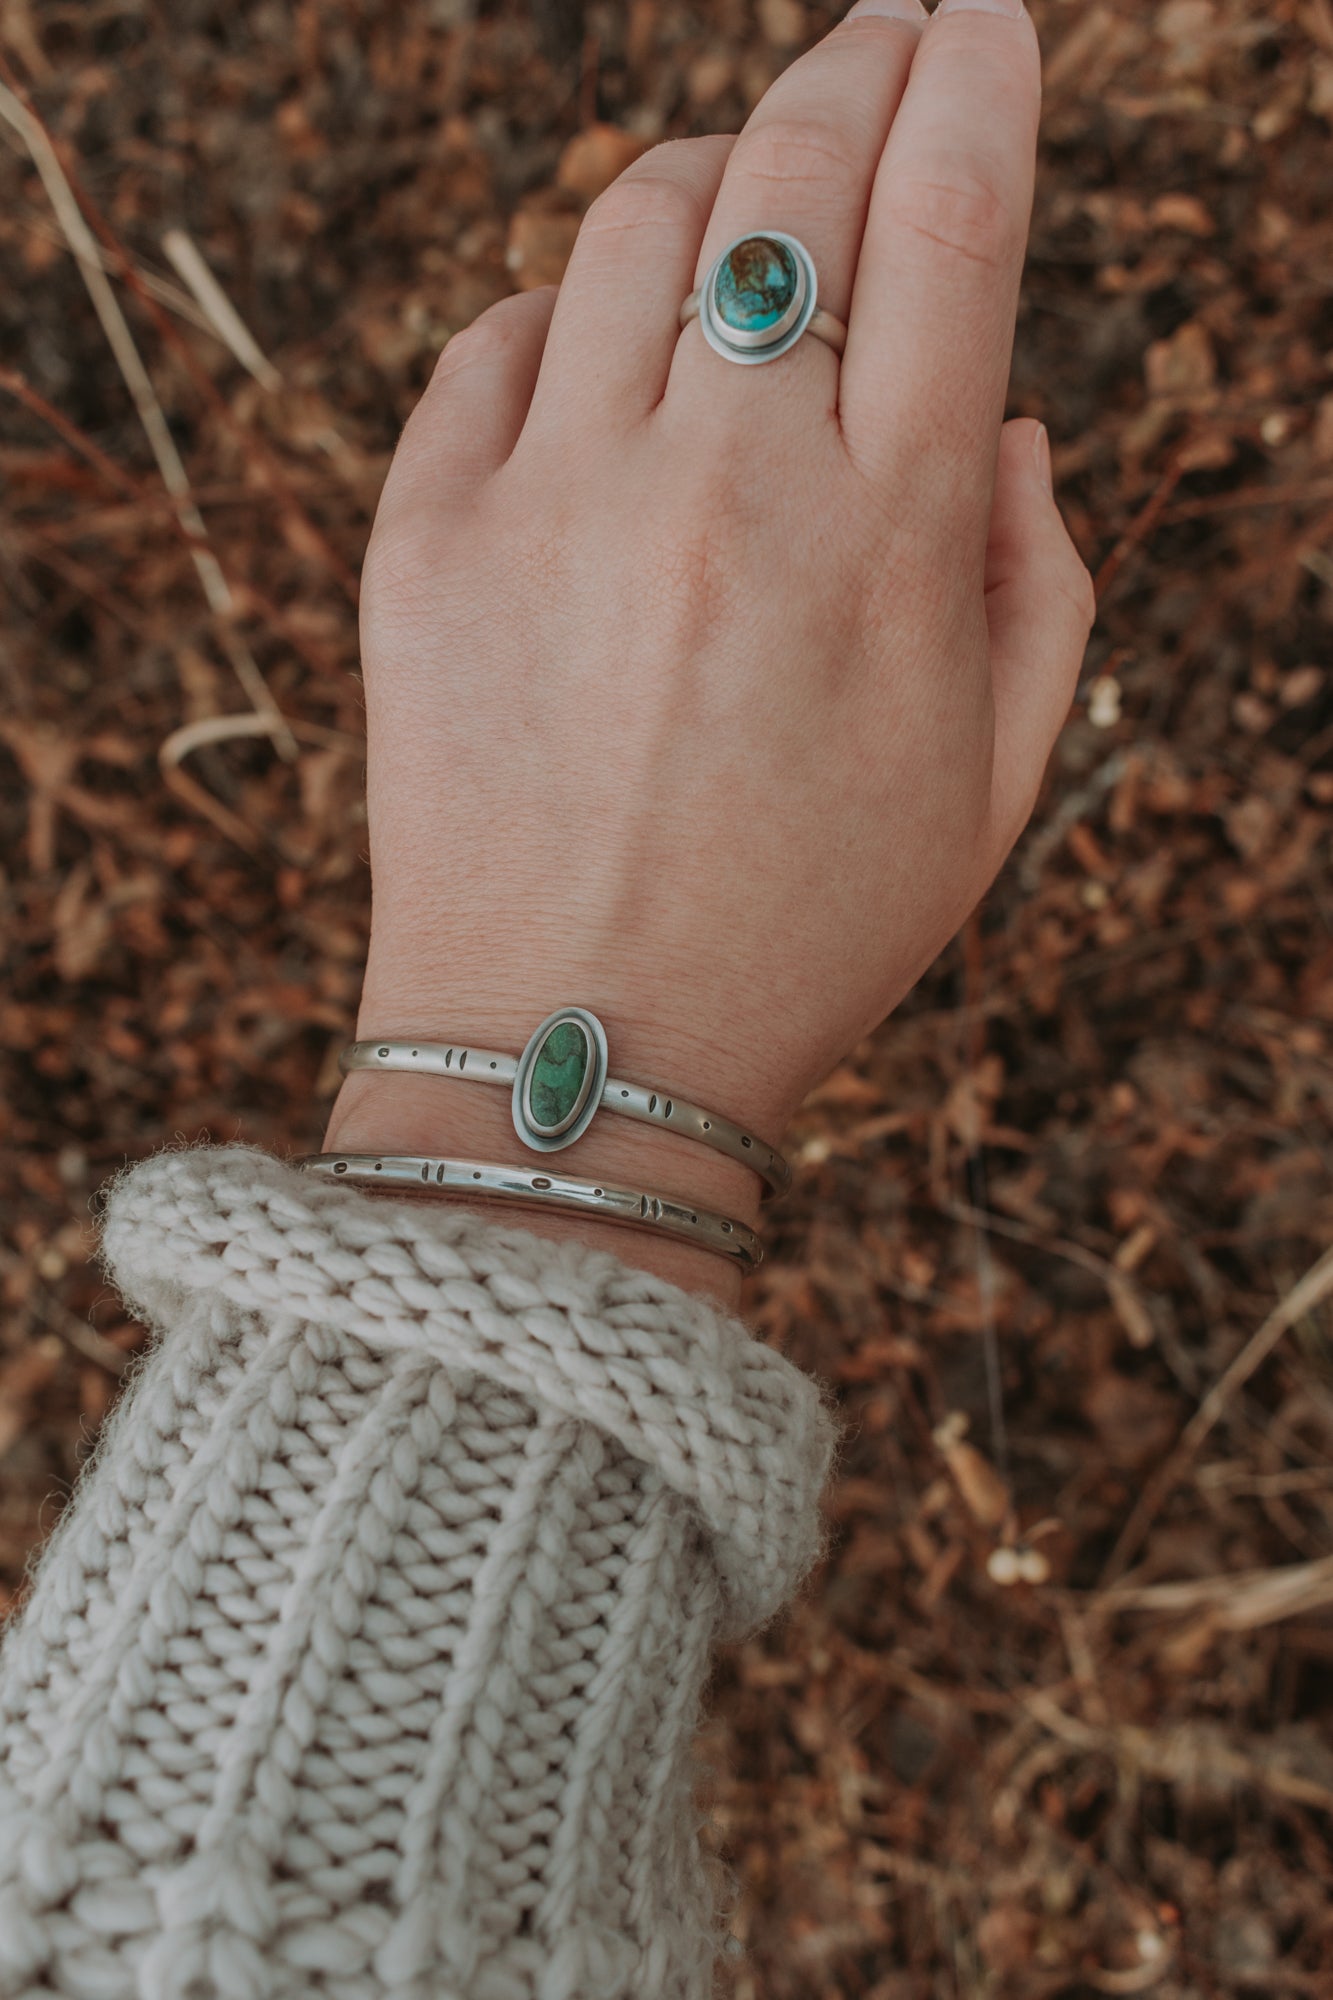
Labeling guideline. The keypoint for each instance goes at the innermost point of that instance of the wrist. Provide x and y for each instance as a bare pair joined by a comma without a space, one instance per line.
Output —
396,1113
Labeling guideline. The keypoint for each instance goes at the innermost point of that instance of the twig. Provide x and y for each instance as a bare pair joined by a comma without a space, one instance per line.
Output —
1241,1601
1246,497
1313,1288
1181,1759
224,729
216,589
114,264
21,389
85,1339
974,977
1123,1292
1143,524
218,309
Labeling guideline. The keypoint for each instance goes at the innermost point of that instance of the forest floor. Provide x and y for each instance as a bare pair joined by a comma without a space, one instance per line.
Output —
1055,1716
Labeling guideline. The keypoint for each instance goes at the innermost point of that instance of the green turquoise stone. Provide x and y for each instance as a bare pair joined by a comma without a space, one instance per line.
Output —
556,1077
755,284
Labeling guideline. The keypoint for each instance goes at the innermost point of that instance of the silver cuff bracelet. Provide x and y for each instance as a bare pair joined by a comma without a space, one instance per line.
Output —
700,1227
560,1083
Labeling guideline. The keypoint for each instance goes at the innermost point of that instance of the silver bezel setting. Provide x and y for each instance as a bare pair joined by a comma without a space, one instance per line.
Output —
772,341
541,1139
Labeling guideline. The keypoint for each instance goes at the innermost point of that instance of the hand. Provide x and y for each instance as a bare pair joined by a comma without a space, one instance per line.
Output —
713,698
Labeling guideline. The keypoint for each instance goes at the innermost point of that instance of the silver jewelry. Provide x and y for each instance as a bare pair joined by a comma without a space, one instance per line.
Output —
758,299
560,1083
701,1227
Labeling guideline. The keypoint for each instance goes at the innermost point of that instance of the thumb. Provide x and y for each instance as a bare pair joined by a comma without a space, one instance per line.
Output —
1040,607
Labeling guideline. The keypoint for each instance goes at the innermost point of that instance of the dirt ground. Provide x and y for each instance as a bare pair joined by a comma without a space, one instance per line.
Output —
1055,1717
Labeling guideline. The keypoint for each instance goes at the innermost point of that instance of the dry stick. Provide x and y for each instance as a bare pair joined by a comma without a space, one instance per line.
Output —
262,456
1244,498
39,548
220,315
1169,1758
113,262
225,729
1141,527
216,589
1119,1285
974,980
1313,1288
1239,1601
21,389
78,441
18,386
263,460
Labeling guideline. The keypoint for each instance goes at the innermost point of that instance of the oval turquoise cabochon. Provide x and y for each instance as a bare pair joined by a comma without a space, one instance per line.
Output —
557,1075
756,283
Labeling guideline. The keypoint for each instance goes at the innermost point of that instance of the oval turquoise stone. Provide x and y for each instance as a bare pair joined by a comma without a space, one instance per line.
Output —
756,283
556,1077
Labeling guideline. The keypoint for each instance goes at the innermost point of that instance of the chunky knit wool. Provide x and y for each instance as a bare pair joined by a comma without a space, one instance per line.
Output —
366,1658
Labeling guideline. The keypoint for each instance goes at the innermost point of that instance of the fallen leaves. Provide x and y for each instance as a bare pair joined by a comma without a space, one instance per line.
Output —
1051,1717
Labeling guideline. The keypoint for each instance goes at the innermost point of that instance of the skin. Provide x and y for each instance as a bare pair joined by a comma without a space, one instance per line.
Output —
713,699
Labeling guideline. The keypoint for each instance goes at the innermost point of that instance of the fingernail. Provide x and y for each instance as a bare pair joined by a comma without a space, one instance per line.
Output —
1013,8
1041,451
896,10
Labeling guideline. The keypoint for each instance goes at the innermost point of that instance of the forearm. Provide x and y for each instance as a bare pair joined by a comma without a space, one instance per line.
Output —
367,1657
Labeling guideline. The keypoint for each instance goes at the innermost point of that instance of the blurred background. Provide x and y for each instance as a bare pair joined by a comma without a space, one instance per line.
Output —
1055,1717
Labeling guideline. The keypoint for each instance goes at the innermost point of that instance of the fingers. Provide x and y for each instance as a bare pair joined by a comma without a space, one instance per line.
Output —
475,406
1040,607
931,338
805,163
618,318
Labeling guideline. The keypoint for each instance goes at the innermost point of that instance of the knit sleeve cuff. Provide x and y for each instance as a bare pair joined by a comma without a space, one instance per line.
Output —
728,1424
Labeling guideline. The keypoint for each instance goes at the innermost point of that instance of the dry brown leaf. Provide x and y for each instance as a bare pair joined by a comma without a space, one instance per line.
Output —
595,157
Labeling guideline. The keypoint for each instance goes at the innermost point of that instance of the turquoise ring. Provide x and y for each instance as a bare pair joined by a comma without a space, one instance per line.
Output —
760,296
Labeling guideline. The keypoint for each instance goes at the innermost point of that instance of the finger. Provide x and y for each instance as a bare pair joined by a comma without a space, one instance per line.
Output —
1040,607
931,338
475,405
805,164
618,318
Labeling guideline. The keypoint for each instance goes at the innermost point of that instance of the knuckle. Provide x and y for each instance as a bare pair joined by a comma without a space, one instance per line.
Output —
796,149
396,576
650,199
486,339
961,212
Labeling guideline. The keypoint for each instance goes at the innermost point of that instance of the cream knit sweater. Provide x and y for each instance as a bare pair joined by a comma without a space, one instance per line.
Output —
366,1658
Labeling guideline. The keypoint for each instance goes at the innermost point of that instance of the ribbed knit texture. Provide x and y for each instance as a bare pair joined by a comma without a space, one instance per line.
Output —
366,1658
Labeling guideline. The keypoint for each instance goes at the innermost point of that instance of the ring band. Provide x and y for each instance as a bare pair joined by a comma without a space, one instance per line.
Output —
597,1091
760,297
660,1213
